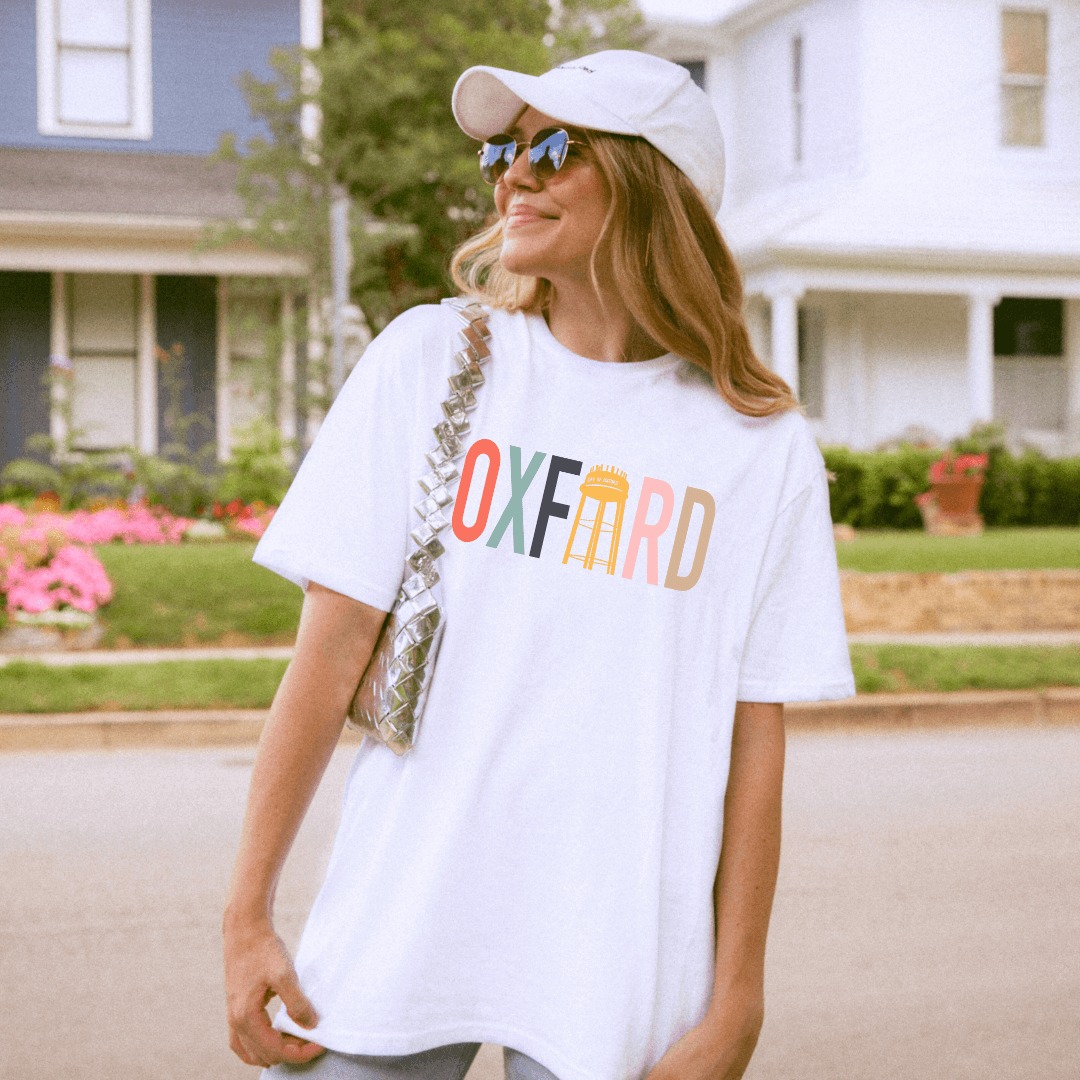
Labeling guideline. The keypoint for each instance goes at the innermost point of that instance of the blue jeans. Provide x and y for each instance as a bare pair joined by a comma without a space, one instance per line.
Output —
442,1063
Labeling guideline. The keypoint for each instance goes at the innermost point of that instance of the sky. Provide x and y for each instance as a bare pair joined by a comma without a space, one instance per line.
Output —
688,10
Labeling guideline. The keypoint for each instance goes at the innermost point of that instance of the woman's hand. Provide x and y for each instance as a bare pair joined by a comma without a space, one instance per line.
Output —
720,1047
257,968
333,645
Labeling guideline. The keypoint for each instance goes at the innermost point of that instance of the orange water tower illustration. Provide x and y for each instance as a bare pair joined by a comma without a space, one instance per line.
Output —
605,491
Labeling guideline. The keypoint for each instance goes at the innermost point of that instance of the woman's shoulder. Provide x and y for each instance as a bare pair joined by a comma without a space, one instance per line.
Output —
431,324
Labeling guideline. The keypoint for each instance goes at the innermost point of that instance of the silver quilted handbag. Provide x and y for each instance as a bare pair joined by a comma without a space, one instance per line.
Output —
390,699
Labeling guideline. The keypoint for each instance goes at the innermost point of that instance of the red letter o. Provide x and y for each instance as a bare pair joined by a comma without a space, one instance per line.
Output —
468,533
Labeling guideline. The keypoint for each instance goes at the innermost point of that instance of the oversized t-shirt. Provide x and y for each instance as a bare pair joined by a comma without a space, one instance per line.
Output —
629,557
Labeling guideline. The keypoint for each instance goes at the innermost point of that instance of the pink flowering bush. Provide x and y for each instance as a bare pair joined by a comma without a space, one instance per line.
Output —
73,577
131,524
40,570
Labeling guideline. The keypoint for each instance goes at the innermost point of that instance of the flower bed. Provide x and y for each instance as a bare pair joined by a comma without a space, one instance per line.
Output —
42,570
248,521
49,572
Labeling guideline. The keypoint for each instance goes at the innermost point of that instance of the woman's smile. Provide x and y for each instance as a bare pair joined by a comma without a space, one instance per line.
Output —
520,214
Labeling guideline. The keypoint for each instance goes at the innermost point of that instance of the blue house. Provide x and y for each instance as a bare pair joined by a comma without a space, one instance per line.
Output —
109,112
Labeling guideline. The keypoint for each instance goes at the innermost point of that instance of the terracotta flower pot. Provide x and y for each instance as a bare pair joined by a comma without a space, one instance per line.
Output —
958,494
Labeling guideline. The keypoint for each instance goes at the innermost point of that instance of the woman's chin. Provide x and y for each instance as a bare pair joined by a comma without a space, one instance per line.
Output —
516,261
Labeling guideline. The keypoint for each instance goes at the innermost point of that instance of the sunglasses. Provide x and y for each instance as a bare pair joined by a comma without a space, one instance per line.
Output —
547,154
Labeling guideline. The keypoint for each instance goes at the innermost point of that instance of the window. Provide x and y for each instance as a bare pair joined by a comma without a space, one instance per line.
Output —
103,329
797,98
812,361
1030,380
696,69
1023,77
94,68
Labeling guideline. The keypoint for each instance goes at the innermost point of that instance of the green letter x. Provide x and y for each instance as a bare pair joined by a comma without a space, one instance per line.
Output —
514,512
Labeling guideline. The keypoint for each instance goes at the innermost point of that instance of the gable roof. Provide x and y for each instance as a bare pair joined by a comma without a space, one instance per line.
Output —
102,182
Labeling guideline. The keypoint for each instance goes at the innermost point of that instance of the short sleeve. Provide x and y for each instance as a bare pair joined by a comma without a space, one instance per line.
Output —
796,648
344,521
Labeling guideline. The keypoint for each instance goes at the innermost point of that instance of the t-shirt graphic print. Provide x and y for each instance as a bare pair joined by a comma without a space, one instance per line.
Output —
597,530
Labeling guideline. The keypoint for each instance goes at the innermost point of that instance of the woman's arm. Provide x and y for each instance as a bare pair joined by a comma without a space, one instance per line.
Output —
719,1048
334,642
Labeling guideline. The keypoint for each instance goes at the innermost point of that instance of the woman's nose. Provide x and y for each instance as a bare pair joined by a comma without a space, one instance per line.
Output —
519,174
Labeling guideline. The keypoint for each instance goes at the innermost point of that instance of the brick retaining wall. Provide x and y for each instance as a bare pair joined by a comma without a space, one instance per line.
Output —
1002,600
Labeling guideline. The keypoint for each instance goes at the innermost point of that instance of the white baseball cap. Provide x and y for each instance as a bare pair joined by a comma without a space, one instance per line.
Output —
625,92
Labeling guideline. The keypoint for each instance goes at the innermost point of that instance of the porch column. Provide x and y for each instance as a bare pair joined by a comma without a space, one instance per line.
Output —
146,369
316,365
980,356
223,374
1072,374
287,397
785,336
59,347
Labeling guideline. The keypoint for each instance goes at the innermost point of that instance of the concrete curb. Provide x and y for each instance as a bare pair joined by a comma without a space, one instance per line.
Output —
241,727
120,730
1059,705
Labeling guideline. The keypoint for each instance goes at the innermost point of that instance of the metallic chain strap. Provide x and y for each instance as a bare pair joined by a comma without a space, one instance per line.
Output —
390,700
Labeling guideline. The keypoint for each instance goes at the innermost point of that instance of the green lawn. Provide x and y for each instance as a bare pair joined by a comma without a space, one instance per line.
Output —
883,668
997,549
28,687
202,593
195,593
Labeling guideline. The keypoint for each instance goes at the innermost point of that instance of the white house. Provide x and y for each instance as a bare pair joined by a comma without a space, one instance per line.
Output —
904,197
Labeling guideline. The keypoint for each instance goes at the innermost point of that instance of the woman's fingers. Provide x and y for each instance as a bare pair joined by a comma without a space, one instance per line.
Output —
287,987
267,1046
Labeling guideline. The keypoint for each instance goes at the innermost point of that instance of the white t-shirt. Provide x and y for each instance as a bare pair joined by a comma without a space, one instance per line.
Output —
537,872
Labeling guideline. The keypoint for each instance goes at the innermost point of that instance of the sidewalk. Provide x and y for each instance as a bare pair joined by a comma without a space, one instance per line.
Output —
285,652
147,656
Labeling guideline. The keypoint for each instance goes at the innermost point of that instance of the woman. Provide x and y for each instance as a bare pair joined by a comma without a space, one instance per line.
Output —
577,859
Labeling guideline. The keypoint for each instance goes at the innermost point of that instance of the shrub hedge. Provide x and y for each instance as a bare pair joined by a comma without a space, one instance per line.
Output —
877,489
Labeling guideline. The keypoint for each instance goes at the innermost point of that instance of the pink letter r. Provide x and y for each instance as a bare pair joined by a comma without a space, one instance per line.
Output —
649,533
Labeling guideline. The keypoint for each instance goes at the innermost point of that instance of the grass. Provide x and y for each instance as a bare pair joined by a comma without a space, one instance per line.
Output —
996,549
201,593
195,593
28,687
884,668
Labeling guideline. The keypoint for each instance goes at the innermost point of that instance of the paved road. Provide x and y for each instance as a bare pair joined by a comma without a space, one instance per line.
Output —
927,924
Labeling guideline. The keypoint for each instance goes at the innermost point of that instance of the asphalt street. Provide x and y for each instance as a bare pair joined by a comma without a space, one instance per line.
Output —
927,924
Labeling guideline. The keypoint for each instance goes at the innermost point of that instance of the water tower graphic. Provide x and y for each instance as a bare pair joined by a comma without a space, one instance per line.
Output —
604,493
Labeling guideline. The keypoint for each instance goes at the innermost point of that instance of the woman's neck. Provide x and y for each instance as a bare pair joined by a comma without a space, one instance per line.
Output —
597,328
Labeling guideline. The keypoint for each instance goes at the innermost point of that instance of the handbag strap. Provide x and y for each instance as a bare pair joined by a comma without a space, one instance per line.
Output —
436,508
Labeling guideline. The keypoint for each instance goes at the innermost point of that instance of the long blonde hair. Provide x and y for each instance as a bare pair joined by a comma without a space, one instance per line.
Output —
670,264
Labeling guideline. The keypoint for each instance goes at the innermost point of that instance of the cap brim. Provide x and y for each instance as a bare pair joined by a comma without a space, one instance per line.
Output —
487,100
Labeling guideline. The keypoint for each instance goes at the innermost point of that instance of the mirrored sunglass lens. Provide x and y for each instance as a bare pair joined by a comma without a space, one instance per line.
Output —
496,156
547,152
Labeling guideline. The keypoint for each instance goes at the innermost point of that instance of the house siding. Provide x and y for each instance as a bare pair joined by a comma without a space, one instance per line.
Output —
754,98
24,359
187,315
198,51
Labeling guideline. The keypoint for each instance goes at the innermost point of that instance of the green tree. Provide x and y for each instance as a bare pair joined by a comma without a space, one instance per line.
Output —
385,76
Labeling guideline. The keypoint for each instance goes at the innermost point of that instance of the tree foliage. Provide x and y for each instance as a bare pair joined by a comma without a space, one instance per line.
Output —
385,76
